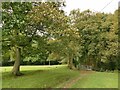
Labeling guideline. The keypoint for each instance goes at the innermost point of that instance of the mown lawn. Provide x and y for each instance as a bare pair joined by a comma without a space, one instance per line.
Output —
56,76
98,80
38,76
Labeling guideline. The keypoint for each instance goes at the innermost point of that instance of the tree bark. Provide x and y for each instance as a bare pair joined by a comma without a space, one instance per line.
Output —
49,62
16,67
70,62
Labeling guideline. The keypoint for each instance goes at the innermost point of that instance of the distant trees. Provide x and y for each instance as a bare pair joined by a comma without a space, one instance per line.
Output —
99,36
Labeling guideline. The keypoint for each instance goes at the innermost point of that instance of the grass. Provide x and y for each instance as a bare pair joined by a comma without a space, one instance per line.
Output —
38,77
56,76
98,80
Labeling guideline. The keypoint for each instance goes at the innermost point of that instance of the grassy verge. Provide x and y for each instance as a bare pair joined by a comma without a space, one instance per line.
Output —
37,76
98,80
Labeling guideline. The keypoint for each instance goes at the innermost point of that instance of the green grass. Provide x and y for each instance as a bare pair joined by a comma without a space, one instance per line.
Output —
56,76
98,80
38,77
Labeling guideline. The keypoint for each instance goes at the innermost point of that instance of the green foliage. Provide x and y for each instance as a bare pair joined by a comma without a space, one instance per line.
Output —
22,29
14,25
98,34
43,32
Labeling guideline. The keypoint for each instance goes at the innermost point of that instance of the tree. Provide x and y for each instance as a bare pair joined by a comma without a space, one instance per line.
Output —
98,34
42,30
25,25
14,26
66,46
49,21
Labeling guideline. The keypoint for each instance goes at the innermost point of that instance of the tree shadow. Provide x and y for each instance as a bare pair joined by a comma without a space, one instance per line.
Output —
25,73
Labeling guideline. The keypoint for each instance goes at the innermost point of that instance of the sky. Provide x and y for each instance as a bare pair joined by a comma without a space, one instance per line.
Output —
94,5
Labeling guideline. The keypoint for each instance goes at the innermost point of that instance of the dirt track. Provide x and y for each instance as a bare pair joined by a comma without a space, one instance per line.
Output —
82,74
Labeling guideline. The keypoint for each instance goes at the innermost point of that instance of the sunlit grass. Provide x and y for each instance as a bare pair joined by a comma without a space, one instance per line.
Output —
56,76
98,80
38,76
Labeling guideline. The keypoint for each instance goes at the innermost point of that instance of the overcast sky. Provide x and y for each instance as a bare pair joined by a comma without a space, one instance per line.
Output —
94,5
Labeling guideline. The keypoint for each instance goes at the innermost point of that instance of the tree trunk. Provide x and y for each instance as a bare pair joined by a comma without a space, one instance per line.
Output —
70,62
49,62
16,67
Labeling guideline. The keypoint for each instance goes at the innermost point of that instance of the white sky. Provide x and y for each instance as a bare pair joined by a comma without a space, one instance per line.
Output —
94,5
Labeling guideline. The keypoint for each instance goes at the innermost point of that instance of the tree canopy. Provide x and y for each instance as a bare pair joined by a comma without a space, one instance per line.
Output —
41,30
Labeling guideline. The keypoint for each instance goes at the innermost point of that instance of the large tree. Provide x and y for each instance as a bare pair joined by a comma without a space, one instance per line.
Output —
14,35
98,34
27,26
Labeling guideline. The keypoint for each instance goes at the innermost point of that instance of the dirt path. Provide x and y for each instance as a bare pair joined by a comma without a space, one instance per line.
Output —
82,74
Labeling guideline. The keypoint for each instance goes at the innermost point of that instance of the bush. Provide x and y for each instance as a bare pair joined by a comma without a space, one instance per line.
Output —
8,63
107,66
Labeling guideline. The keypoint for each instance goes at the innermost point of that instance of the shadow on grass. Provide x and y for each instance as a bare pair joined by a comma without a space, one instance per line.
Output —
25,73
